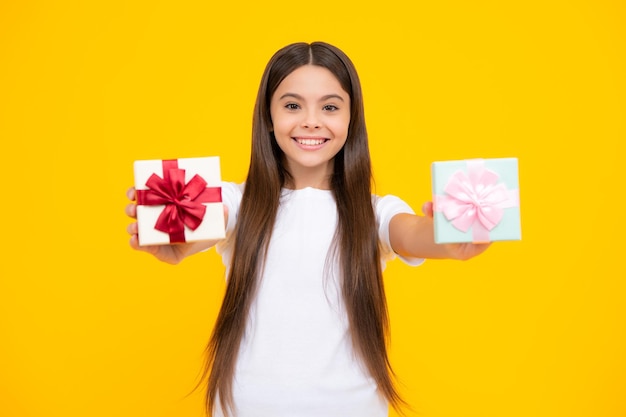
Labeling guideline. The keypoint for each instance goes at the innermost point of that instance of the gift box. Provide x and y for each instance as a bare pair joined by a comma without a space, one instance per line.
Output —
179,200
476,200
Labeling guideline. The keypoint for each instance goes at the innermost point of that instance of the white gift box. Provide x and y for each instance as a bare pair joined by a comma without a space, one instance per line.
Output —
179,200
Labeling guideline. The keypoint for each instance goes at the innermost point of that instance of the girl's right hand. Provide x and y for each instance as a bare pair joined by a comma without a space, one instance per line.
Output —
171,254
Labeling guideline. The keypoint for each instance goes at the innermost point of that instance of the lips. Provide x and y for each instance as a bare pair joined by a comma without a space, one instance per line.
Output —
310,141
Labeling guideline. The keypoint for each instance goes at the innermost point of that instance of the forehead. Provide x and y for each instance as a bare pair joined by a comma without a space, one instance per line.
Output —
311,80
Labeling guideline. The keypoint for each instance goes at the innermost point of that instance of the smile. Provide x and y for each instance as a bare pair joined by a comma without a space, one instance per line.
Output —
310,141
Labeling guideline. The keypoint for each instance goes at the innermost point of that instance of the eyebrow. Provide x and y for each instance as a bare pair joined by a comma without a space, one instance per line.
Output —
299,97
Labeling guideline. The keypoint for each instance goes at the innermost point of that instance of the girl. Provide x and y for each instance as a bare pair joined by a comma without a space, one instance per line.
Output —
303,325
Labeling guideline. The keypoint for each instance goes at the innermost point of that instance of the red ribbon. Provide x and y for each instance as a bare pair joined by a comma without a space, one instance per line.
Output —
183,202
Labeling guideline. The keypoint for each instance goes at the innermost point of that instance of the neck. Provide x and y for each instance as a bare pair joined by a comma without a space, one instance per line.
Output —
302,177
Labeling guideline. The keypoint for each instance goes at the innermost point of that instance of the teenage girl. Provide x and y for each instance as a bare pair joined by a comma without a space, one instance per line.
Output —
303,325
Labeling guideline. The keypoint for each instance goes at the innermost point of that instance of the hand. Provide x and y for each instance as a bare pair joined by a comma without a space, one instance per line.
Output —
460,251
173,253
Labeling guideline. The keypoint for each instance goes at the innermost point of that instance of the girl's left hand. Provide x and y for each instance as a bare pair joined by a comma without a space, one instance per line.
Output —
460,251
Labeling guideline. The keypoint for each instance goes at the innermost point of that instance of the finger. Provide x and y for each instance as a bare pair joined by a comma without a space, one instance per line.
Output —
134,242
131,194
132,229
427,208
484,246
131,210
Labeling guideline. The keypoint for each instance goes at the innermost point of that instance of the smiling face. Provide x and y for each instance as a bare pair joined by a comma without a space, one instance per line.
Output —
310,118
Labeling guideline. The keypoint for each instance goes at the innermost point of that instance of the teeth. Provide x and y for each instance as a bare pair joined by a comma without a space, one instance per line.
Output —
310,142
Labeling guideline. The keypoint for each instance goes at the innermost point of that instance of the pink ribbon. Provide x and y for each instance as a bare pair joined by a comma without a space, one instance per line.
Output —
475,200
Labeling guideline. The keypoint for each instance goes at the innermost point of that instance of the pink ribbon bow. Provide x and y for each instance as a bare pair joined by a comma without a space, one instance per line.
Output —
475,200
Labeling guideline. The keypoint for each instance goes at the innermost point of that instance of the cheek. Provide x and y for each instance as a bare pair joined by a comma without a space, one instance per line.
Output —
281,124
342,127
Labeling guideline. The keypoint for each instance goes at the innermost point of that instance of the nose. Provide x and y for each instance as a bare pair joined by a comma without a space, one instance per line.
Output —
311,120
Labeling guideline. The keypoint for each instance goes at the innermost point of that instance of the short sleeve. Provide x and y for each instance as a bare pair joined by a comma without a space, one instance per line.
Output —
386,208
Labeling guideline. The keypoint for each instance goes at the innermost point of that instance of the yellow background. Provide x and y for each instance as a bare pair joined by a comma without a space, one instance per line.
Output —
89,327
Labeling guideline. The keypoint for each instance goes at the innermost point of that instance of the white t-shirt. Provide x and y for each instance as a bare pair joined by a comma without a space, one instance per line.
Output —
296,357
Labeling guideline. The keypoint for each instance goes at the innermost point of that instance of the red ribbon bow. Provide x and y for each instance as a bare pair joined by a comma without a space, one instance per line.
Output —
183,202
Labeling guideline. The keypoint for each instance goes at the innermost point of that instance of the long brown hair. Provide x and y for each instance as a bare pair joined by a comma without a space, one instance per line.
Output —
356,236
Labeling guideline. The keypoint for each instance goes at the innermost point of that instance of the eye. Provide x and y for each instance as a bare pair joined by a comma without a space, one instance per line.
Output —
330,107
292,106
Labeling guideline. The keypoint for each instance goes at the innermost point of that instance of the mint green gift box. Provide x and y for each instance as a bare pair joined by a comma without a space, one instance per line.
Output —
476,200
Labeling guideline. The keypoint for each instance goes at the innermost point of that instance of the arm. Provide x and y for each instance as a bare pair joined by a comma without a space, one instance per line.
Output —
413,236
172,254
